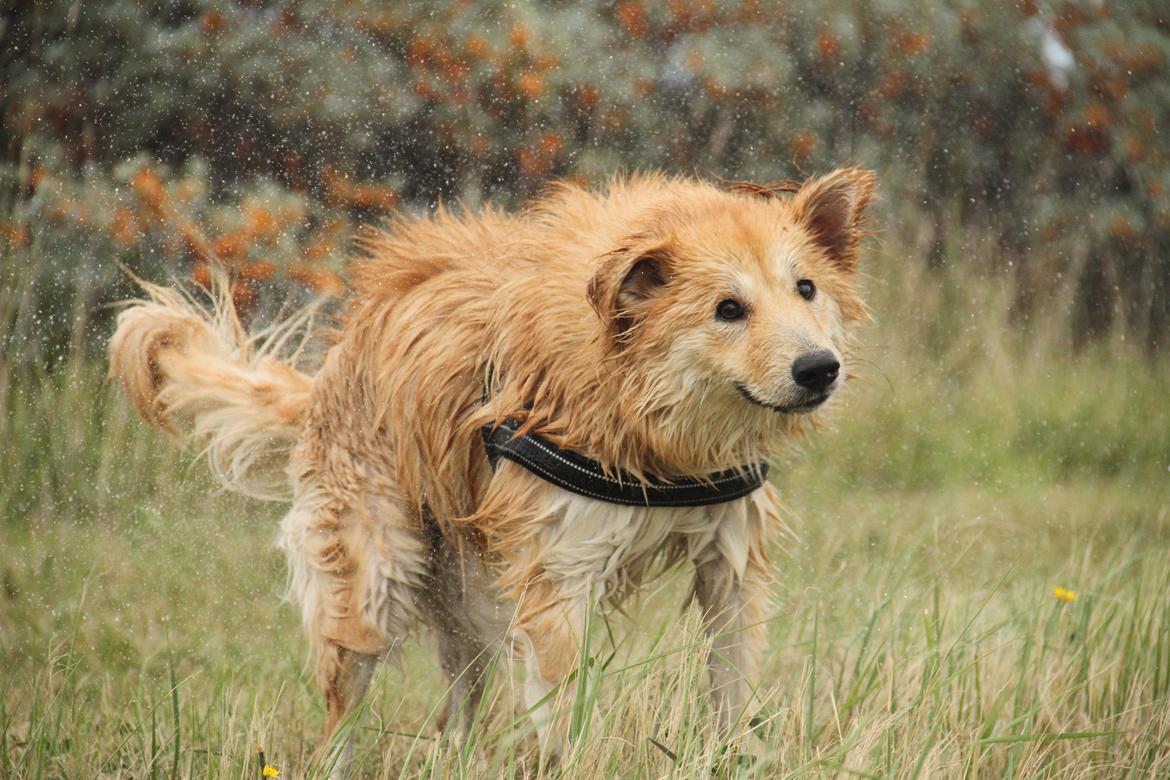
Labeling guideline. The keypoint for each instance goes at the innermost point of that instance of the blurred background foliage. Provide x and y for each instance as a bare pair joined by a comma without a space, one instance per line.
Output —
165,134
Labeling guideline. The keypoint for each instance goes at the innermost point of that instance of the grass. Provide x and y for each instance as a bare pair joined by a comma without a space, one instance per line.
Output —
976,464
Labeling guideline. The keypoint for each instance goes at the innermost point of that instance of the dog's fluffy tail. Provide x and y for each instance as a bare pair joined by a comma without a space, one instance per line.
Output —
193,369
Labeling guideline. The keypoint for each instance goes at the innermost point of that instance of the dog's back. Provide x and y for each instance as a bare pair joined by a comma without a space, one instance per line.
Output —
449,309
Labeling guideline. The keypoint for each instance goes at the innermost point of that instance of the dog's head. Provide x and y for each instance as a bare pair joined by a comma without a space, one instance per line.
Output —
730,309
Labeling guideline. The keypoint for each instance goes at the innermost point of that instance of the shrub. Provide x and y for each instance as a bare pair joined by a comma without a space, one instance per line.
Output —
1032,125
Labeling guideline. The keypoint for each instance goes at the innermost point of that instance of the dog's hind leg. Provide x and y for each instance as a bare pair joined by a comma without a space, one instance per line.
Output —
459,600
465,662
346,677
355,571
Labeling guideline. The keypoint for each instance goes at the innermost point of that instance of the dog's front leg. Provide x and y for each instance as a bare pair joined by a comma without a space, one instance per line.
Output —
548,639
732,605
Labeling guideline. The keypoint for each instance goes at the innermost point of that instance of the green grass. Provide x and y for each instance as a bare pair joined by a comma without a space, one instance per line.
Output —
974,466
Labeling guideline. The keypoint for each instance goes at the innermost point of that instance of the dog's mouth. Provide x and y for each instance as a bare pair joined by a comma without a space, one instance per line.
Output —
800,407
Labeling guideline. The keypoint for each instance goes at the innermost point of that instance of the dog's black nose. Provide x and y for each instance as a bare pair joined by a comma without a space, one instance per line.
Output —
816,370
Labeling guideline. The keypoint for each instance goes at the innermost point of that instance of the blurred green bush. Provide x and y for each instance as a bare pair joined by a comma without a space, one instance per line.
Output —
163,133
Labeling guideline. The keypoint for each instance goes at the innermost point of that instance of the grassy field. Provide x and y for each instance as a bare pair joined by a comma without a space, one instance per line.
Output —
975,465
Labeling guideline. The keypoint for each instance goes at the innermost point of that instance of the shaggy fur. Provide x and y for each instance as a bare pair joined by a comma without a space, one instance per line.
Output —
592,315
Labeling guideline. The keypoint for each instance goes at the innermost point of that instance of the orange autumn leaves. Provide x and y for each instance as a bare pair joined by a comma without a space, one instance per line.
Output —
492,77
269,233
252,249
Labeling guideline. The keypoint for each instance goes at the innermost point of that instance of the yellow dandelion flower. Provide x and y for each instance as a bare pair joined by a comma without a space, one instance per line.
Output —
266,769
1063,594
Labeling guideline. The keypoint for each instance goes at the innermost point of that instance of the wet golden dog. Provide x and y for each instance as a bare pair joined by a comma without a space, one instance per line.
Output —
665,326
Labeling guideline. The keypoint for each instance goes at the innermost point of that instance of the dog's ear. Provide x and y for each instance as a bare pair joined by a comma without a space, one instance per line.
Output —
625,286
832,208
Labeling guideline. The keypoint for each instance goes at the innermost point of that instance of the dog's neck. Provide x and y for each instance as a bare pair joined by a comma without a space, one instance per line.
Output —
641,430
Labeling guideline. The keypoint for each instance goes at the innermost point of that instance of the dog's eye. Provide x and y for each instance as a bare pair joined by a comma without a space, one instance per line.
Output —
807,289
730,310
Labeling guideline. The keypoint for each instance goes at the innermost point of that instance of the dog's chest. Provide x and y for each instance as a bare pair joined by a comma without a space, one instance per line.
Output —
593,544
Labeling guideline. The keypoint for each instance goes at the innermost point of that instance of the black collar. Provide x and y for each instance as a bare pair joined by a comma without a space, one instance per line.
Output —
578,474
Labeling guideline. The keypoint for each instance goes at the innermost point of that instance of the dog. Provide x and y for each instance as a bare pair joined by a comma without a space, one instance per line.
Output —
662,333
